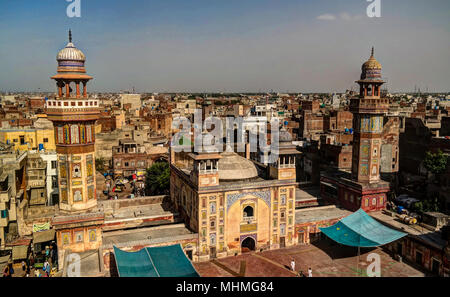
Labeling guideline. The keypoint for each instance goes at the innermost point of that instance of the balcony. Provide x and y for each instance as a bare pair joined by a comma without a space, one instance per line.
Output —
5,195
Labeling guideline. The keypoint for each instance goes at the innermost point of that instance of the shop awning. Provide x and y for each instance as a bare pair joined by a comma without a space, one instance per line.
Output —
165,261
43,236
19,252
361,230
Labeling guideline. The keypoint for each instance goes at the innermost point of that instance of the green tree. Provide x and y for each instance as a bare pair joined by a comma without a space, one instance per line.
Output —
100,165
435,163
157,179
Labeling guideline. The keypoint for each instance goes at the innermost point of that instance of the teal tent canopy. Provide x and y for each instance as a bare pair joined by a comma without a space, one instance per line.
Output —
361,230
165,261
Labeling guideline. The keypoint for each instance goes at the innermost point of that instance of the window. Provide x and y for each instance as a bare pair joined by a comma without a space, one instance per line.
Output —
248,211
4,213
22,140
54,165
45,139
54,181
213,223
283,198
126,164
374,201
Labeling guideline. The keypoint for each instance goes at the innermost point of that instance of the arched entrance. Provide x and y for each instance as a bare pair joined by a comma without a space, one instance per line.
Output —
248,245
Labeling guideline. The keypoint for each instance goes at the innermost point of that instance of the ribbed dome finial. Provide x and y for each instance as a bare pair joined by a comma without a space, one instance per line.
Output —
70,35
372,51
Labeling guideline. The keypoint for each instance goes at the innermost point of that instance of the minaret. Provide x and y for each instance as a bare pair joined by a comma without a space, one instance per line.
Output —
74,115
368,110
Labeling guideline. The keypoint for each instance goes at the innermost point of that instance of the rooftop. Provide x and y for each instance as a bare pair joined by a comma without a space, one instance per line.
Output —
320,214
146,236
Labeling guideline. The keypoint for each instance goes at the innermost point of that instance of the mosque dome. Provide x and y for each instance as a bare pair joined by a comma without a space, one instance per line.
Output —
234,167
371,68
70,58
71,53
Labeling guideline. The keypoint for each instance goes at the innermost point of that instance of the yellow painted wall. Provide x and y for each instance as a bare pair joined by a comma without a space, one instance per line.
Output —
32,137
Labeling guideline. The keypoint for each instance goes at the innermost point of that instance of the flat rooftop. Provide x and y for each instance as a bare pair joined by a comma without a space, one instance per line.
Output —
146,236
431,237
141,211
307,193
315,214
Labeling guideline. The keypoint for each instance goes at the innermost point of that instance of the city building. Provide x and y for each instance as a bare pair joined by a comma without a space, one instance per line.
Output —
233,205
362,188
78,225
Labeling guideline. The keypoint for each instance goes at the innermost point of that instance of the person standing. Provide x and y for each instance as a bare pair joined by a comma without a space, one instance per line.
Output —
27,272
47,271
293,265
309,272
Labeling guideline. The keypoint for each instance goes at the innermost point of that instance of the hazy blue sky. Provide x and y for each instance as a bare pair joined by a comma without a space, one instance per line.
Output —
227,45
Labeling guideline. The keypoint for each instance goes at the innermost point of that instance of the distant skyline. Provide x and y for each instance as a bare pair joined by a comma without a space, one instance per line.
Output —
227,46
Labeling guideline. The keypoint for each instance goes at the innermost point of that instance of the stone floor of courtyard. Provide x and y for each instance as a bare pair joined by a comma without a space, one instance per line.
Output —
326,259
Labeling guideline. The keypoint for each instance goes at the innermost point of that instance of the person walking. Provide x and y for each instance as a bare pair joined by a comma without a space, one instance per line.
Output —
46,264
27,271
309,272
6,272
293,265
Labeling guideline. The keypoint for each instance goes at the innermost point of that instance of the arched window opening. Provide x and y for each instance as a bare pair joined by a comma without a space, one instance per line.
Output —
248,211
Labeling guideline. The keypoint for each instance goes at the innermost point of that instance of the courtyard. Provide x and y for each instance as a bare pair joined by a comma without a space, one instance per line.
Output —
325,258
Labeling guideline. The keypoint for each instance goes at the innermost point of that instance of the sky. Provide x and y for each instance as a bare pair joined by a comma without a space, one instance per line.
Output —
227,45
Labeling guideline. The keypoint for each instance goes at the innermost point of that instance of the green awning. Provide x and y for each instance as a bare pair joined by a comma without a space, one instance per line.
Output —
165,261
361,230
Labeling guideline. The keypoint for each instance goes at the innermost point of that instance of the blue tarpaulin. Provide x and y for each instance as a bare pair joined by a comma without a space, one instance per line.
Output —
361,230
165,261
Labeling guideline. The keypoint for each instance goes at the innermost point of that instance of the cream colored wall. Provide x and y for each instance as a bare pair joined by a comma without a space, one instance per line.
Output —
263,221
232,226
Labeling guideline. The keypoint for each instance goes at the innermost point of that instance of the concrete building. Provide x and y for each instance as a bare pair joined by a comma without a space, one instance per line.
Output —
134,100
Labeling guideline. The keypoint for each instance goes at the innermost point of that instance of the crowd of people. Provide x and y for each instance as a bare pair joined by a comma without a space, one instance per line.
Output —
49,267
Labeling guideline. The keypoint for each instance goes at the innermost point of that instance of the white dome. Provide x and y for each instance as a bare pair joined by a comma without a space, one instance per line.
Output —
70,53
234,167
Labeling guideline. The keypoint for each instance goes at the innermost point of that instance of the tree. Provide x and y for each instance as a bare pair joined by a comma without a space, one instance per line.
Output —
435,163
100,165
157,179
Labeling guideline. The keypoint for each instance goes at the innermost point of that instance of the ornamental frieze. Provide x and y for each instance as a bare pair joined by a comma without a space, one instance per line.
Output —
264,195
